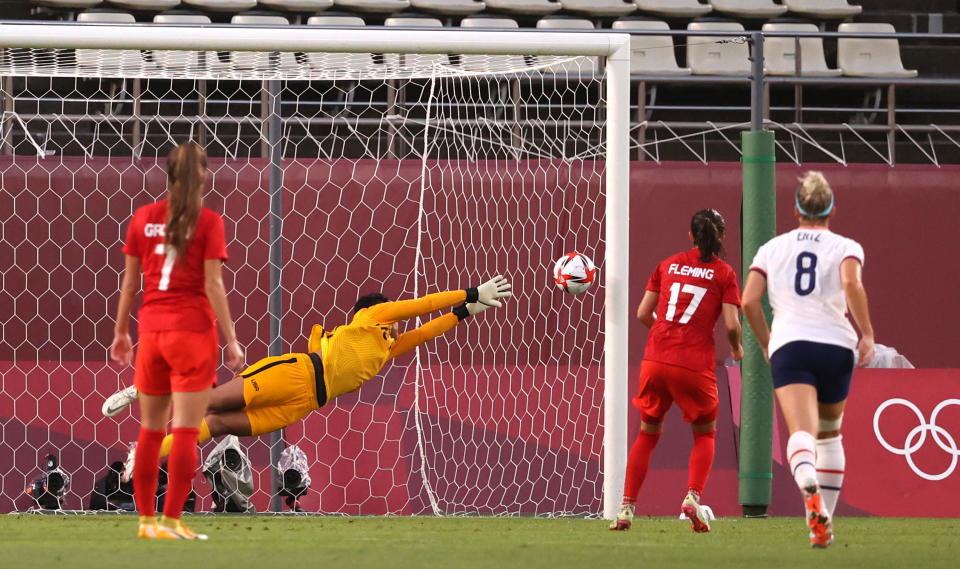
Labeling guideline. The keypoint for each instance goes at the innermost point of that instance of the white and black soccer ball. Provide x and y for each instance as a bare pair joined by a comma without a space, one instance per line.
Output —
574,273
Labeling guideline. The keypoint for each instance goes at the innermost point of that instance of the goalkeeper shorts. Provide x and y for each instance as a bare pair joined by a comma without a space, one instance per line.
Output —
279,391
176,360
695,392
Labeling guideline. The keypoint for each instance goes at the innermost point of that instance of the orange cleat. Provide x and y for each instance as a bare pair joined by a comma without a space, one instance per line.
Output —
818,518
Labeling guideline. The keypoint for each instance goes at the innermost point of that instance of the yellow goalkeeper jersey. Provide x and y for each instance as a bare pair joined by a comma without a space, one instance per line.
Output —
354,353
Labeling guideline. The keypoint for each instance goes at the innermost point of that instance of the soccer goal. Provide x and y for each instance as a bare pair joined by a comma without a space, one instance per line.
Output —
344,161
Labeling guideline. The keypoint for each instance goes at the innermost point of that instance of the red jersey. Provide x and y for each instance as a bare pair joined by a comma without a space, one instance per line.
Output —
691,297
174,295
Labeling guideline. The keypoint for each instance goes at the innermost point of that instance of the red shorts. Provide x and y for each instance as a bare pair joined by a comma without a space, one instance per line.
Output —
661,384
176,360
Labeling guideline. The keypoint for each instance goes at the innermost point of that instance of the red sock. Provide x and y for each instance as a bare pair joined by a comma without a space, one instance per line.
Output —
701,460
146,469
181,468
637,463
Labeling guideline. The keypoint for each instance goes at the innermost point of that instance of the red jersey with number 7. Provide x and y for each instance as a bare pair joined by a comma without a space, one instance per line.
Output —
691,300
174,295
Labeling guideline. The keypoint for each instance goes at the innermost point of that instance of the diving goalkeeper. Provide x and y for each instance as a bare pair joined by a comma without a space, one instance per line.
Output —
278,391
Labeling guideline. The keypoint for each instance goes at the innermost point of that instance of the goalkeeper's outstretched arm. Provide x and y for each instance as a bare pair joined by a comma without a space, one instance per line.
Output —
484,296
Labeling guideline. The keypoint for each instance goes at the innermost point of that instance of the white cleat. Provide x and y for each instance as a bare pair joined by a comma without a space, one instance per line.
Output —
127,473
119,401
699,520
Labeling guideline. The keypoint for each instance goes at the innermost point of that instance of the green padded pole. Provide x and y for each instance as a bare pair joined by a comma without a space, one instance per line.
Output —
756,400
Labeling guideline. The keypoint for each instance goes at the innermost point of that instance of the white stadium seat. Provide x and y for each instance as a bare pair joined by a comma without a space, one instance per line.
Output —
524,7
600,8
870,57
674,8
334,62
100,58
69,4
222,5
181,59
780,53
261,60
377,6
823,8
705,56
584,66
749,8
651,55
297,5
449,7
482,62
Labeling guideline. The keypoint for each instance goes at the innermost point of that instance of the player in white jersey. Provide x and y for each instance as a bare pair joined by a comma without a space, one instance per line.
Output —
812,277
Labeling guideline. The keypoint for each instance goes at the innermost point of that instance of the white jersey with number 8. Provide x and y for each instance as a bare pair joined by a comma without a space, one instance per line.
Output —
802,268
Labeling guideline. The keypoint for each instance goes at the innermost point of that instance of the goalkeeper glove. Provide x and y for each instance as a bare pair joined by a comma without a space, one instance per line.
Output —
488,294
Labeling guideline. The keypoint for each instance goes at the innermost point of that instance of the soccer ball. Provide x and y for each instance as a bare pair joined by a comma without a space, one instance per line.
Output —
574,273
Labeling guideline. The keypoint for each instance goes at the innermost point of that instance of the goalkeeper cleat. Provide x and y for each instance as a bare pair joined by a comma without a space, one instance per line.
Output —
624,519
127,474
119,401
818,518
170,528
699,521
148,527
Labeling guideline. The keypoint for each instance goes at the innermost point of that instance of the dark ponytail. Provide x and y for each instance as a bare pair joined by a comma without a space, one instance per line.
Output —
707,227
186,168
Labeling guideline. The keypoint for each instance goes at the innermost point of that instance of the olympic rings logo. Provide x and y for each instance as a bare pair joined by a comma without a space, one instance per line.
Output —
918,435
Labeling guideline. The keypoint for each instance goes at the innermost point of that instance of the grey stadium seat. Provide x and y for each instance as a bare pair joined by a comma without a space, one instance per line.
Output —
146,5
481,62
100,58
583,66
181,59
870,57
651,55
261,60
297,5
705,56
222,5
823,8
414,60
377,6
336,62
69,4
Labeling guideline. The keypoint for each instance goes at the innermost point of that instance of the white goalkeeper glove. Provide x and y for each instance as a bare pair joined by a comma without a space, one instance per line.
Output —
488,294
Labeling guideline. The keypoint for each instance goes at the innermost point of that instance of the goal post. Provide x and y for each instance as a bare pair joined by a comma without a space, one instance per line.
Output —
516,160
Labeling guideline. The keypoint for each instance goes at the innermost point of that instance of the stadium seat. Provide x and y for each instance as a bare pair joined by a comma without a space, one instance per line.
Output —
749,8
651,55
780,57
600,8
340,63
870,57
823,8
449,7
580,65
181,59
414,60
146,5
524,7
222,5
674,8
297,5
377,6
483,62
261,60
101,58
705,56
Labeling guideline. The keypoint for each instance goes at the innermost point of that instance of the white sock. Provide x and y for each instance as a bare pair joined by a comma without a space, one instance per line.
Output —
802,456
830,464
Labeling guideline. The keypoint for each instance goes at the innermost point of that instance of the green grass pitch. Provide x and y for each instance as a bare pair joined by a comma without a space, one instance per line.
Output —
102,542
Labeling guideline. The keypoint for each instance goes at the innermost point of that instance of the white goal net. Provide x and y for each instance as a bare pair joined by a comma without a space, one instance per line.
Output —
337,175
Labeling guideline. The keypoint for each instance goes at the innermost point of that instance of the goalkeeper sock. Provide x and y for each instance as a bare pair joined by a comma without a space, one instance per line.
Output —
637,464
181,469
202,438
802,456
830,464
701,460
146,470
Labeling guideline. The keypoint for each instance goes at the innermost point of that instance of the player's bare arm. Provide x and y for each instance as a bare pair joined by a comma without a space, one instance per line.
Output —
851,277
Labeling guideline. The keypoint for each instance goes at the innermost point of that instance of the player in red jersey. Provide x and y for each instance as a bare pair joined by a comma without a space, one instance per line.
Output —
679,361
180,246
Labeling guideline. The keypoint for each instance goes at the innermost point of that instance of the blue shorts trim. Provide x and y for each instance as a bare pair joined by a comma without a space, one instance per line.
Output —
827,367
